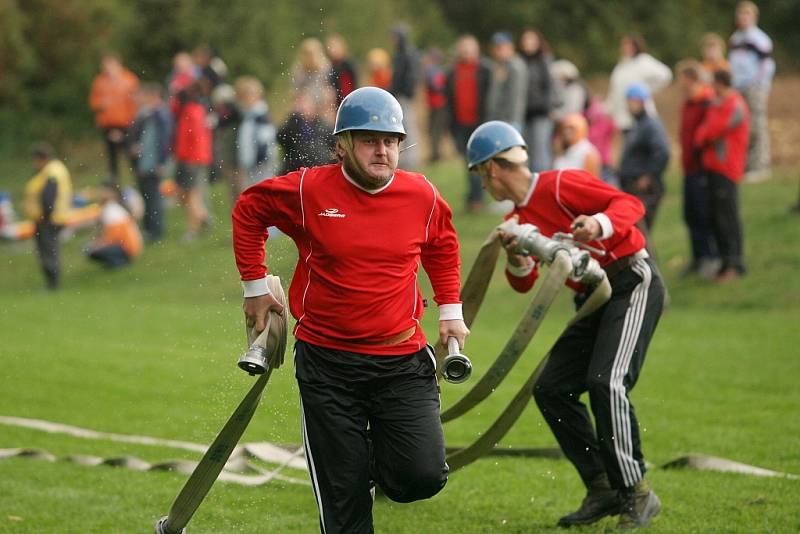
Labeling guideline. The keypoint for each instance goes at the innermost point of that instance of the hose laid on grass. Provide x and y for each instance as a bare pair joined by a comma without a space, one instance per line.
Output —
214,460
273,341
238,471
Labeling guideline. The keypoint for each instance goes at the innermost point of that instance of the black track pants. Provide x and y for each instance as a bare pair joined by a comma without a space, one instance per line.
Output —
603,354
727,223
368,418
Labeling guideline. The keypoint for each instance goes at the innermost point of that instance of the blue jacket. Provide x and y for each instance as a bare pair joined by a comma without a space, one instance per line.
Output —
152,130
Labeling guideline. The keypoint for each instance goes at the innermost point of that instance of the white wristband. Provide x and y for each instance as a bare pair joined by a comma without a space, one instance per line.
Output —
450,312
606,228
255,288
523,270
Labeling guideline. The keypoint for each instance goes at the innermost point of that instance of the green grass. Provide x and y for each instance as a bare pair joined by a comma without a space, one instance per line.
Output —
152,350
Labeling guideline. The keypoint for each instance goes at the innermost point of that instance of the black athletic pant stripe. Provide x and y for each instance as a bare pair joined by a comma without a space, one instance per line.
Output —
603,355
368,419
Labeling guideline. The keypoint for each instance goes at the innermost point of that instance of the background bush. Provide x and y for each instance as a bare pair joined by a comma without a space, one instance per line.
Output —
49,48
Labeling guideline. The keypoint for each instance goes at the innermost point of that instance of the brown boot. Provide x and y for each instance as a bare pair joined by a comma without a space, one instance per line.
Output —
601,500
640,504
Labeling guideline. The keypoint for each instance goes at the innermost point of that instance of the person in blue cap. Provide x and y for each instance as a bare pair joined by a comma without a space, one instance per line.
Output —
645,154
366,374
601,354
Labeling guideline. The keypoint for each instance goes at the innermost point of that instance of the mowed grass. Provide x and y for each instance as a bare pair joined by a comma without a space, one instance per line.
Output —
152,350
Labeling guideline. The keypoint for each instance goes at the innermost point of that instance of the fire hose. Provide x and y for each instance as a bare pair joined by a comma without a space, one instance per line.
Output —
266,352
566,259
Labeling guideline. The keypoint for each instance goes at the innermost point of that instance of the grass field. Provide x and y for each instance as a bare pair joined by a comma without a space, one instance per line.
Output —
151,350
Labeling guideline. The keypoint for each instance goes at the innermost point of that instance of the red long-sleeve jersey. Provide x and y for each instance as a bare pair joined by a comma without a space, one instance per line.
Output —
193,142
693,111
557,197
355,283
723,136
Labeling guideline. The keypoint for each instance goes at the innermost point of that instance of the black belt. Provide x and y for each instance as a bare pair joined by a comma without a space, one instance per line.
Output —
617,266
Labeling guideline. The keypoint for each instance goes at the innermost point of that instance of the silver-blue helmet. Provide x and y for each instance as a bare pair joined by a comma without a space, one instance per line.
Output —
489,139
371,109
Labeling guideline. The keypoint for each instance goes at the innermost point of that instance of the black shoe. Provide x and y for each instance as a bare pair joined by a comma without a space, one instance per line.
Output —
601,500
640,504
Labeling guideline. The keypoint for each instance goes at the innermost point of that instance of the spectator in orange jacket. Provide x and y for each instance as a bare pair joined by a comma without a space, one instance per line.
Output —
379,68
723,138
114,105
121,242
573,148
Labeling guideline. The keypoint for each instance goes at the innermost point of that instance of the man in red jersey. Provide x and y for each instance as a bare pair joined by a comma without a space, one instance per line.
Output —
697,98
722,138
367,377
603,353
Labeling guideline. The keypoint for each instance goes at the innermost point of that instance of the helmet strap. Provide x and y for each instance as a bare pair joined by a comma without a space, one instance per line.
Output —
344,140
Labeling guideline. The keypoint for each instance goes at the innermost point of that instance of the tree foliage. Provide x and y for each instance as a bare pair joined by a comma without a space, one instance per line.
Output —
49,48
588,31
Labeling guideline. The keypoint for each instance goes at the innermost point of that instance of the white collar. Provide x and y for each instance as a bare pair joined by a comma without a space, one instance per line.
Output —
370,191
529,194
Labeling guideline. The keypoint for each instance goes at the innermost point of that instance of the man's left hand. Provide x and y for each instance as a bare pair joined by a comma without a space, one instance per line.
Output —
454,328
586,228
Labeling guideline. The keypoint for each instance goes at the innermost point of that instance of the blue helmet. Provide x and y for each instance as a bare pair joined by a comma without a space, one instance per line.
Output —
637,91
490,139
371,109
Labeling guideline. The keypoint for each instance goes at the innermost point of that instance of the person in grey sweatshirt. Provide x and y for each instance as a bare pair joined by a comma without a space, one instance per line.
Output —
506,100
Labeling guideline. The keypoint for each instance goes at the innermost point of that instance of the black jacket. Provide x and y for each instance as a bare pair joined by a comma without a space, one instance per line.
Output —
305,143
405,68
540,85
646,149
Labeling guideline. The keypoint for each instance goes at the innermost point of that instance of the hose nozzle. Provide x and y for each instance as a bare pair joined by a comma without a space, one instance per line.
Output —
254,361
456,367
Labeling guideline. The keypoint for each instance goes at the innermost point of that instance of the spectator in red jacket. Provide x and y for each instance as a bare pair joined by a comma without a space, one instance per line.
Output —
436,98
193,154
342,76
722,138
697,98
467,86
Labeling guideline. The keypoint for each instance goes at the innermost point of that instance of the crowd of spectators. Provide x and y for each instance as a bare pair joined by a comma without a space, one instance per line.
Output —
200,125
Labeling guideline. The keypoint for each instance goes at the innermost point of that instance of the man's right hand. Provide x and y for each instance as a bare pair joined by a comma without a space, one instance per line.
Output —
509,243
257,308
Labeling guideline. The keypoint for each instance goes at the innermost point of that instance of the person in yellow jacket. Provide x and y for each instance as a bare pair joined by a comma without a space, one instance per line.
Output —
48,198
121,241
